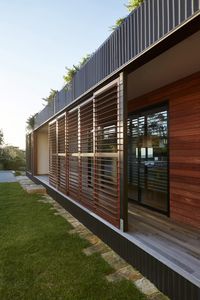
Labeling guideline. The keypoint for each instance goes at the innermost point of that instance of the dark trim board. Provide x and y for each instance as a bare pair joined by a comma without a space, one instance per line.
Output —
168,281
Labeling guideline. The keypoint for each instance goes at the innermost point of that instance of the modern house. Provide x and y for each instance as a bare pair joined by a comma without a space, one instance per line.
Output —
119,148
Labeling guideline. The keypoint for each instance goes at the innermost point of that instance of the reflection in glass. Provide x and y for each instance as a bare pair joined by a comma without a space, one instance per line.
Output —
148,158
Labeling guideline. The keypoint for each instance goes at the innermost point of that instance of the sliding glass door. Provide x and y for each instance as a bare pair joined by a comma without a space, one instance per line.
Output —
148,158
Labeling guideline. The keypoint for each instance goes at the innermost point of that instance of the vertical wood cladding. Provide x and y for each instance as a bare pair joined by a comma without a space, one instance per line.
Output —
84,153
184,144
29,152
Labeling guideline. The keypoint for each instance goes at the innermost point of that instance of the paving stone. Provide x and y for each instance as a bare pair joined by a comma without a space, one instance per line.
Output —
75,223
61,211
158,296
79,229
114,277
86,234
99,247
42,201
35,189
127,272
130,273
71,220
146,287
29,186
93,239
48,199
114,260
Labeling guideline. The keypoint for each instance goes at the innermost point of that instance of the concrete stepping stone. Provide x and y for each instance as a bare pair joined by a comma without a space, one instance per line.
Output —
114,260
127,272
34,189
146,287
78,230
158,296
29,186
99,247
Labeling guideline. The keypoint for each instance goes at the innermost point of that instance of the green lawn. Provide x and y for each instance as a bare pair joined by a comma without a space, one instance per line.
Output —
40,260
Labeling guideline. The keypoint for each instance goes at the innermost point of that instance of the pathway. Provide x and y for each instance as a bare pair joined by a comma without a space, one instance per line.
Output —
7,176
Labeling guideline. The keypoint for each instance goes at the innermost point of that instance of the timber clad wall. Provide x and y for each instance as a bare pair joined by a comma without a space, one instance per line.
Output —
28,153
184,145
84,146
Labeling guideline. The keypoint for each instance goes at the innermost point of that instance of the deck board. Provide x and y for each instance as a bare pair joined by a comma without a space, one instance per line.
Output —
173,242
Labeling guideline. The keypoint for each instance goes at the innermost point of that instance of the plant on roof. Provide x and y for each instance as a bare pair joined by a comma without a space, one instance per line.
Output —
132,4
30,123
72,71
51,96
117,23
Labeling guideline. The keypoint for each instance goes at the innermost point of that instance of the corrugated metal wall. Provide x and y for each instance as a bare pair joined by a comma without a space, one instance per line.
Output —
142,28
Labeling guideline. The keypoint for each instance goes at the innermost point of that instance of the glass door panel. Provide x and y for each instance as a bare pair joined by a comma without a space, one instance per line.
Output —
148,158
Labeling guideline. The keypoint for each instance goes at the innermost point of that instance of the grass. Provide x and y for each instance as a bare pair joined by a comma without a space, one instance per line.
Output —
40,260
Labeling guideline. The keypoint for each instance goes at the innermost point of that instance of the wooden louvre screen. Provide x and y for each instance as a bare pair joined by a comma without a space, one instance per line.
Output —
106,183
57,153
84,154
53,154
61,147
72,154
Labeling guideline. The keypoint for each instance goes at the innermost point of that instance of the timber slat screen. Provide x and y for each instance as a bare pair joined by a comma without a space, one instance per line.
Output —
61,141
106,155
53,154
90,172
72,154
86,155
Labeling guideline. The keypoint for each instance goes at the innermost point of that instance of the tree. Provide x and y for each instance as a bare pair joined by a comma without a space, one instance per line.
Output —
1,137
12,158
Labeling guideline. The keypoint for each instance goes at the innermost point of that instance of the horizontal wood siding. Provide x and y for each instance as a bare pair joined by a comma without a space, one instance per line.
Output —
184,144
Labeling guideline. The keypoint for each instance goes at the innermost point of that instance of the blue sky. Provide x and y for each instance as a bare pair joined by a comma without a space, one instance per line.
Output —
37,40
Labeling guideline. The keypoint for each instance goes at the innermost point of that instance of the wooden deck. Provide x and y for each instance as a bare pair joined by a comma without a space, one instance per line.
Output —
176,245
